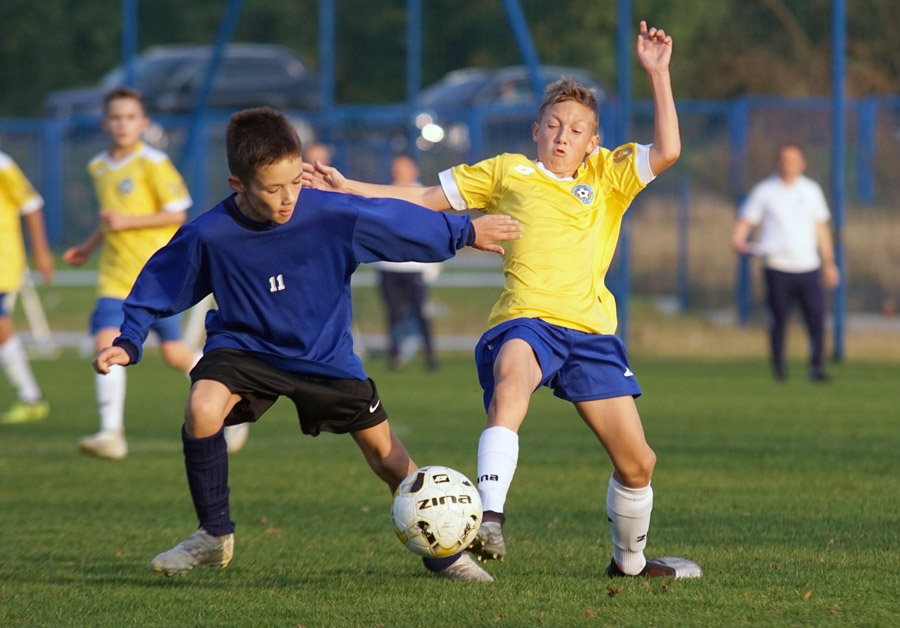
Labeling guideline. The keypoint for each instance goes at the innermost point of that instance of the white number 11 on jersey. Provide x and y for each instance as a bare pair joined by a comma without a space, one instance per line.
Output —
276,283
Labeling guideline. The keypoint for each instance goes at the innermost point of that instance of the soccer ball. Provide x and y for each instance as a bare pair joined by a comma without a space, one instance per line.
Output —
436,511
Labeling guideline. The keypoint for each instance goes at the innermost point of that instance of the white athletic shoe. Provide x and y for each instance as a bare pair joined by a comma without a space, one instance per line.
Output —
465,569
665,567
236,436
200,548
109,444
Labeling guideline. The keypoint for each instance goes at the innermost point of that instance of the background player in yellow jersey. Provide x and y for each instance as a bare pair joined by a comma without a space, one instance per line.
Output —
555,322
19,202
143,200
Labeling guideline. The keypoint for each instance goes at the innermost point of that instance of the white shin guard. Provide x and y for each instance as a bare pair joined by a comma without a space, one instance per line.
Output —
111,399
498,456
14,362
628,510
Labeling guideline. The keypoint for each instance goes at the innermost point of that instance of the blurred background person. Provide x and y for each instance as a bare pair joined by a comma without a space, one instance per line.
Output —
404,290
19,202
319,152
795,242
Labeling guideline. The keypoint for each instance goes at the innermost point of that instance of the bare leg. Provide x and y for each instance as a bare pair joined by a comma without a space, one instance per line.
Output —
385,454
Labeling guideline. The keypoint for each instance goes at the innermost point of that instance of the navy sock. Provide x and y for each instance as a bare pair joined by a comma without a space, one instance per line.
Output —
206,463
439,564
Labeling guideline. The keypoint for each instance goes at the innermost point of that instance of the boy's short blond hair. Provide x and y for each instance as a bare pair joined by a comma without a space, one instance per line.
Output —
566,89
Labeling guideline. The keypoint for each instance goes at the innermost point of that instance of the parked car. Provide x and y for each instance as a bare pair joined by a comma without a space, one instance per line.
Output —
443,105
171,77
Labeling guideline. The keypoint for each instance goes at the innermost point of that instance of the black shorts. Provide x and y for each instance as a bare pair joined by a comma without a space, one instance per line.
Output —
324,404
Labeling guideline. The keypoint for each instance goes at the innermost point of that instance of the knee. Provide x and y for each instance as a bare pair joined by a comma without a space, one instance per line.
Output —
202,419
637,473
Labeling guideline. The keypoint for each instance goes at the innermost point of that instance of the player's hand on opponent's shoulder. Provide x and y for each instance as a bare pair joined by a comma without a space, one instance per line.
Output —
654,48
322,177
493,228
109,357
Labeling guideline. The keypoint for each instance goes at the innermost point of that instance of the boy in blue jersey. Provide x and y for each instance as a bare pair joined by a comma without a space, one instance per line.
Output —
554,324
279,265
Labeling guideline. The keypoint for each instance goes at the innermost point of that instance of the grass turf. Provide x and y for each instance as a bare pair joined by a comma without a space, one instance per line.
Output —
786,495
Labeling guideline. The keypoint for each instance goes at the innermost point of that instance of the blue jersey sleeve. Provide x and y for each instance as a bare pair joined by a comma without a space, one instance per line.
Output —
398,231
172,280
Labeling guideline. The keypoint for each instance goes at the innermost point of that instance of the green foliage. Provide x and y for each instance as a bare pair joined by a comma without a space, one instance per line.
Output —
784,493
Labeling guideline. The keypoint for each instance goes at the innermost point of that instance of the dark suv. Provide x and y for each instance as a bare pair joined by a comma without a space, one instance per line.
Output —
171,77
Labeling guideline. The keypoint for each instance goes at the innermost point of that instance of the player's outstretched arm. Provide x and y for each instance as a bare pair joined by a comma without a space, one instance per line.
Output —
494,228
322,177
109,357
654,51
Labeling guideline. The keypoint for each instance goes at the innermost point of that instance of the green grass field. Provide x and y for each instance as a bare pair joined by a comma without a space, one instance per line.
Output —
786,494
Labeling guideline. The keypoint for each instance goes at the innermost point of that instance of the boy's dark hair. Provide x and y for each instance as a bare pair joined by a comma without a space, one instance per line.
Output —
259,137
566,89
118,93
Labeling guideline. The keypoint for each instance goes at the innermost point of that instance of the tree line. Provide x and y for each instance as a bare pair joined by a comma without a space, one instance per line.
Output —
723,49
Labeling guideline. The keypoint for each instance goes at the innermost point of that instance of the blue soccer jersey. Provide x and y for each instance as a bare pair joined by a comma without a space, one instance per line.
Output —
283,291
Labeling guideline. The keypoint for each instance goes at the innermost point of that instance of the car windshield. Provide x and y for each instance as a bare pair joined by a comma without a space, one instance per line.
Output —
511,85
452,93
150,74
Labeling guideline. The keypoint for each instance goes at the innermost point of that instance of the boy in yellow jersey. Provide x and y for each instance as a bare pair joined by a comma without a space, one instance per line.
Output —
143,200
19,202
555,322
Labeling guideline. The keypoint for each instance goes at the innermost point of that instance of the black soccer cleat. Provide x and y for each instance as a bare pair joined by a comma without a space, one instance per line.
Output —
667,567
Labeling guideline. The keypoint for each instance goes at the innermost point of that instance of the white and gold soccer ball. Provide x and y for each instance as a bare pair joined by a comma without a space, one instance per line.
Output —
436,511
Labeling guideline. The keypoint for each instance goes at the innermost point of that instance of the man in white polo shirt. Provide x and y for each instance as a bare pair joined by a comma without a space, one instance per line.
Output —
795,243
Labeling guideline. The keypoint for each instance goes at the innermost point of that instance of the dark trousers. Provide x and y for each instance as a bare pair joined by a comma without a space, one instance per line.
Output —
783,290
406,292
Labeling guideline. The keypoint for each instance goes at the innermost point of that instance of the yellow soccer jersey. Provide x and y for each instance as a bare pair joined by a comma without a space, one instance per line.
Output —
142,184
17,198
570,227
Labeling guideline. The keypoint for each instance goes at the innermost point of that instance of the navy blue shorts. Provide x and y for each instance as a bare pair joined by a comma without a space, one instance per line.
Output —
108,314
324,404
3,311
576,365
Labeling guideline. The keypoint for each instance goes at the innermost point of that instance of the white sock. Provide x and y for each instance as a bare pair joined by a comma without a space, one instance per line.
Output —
111,399
15,364
628,510
498,455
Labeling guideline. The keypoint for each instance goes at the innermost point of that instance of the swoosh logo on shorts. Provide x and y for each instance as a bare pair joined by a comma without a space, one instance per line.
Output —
628,373
374,407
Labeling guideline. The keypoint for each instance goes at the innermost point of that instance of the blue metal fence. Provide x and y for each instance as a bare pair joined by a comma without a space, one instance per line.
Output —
727,146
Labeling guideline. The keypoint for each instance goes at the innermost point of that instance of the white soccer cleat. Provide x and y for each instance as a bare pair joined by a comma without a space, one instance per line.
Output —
105,444
236,436
465,569
200,548
665,567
